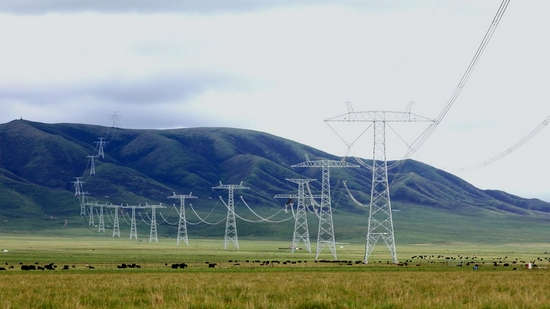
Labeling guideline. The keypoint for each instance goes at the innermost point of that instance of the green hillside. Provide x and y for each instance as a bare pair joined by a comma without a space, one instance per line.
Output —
39,162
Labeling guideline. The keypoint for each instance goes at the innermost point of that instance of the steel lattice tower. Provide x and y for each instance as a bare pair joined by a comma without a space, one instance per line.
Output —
133,228
116,223
91,214
77,186
182,224
101,145
231,223
101,225
83,202
325,236
153,232
92,164
380,223
301,231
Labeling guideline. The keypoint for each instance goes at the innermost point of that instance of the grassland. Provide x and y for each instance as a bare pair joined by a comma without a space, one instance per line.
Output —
431,276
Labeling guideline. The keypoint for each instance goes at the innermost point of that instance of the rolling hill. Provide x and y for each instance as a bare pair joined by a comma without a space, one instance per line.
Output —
39,162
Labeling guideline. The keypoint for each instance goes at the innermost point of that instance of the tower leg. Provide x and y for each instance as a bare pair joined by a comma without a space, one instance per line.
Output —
301,231
153,233
116,224
326,229
182,225
101,225
380,222
133,228
231,223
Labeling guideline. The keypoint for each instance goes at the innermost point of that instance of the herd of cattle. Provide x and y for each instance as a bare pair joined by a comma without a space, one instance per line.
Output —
416,260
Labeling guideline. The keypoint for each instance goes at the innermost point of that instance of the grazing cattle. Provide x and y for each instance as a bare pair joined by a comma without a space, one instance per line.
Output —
50,266
2,268
65,267
180,265
212,265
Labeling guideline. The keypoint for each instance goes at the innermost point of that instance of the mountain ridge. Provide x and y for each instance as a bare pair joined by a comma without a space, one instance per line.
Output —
39,162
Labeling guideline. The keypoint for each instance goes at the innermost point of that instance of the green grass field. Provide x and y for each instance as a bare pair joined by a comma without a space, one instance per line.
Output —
432,279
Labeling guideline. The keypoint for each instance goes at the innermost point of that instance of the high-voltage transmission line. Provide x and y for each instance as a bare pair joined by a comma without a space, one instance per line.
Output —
513,147
428,132
325,236
182,224
380,223
301,231
231,223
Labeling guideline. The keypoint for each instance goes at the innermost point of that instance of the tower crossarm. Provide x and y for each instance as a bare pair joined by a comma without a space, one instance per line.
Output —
379,116
294,196
285,196
325,163
182,197
227,187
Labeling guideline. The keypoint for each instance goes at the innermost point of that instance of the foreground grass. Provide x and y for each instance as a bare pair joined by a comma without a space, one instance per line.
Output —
309,288
431,277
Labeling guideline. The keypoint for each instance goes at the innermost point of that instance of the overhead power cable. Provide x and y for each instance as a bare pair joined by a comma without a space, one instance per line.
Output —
203,220
428,132
268,219
513,147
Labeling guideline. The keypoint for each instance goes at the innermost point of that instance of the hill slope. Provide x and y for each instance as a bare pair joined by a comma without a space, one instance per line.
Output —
38,163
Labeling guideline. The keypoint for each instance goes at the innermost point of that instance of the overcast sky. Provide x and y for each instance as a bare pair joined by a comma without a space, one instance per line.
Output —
282,68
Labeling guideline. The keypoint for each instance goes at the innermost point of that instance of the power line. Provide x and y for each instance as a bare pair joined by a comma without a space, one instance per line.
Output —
509,150
428,132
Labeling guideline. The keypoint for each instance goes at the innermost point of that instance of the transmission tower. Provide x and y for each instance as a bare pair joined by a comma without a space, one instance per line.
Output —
301,231
77,186
325,236
133,227
101,225
115,118
100,146
116,223
91,214
153,231
83,199
380,223
231,223
92,164
182,224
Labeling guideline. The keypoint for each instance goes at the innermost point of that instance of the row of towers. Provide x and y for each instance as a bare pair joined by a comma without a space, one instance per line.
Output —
380,222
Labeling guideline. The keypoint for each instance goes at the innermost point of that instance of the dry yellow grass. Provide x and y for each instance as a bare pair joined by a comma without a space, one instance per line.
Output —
277,288
434,283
